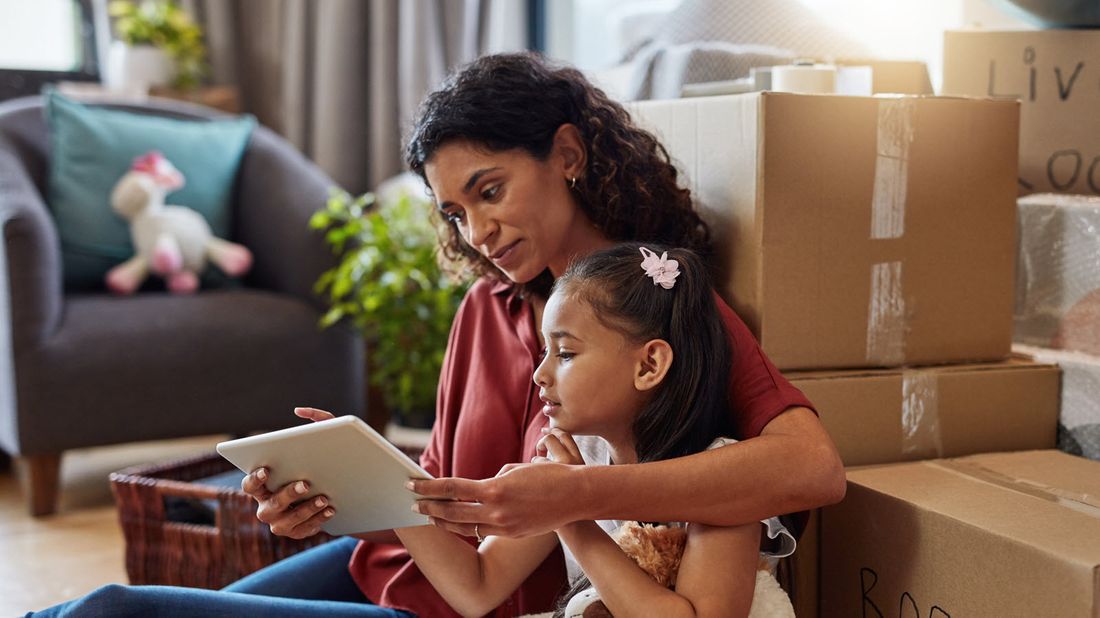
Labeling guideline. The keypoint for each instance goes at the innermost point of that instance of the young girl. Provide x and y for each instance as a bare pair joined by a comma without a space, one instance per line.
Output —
635,365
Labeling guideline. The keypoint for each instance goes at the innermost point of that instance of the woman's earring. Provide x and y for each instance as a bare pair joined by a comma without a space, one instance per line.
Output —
573,182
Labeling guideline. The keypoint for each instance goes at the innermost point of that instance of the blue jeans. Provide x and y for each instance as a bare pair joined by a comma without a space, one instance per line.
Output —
315,582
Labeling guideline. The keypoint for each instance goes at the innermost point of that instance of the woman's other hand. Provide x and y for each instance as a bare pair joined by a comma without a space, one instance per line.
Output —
523,500
505,505
314,414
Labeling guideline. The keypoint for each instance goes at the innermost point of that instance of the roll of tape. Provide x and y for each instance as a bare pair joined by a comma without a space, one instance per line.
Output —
806,79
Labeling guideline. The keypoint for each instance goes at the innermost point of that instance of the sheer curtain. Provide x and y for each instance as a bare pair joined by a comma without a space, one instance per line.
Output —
341,78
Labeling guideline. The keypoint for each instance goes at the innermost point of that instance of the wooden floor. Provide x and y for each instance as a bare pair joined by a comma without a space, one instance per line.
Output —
53,559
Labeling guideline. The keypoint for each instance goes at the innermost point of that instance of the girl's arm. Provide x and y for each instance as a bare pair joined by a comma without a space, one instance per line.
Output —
716,578
474,580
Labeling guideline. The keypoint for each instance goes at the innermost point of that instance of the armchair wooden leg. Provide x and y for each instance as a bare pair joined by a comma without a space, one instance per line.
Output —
43,475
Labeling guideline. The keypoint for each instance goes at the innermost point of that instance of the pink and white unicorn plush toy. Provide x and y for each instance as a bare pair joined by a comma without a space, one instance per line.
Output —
171,241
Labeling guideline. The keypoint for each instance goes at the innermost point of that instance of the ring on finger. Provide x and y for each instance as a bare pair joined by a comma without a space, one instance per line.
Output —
477,533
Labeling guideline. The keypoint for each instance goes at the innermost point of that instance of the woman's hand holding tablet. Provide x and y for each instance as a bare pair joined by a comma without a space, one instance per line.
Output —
360,474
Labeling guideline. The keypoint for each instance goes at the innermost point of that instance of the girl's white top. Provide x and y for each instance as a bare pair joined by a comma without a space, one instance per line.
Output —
596,453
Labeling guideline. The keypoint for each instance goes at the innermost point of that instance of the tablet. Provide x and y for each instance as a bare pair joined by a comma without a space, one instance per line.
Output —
362,474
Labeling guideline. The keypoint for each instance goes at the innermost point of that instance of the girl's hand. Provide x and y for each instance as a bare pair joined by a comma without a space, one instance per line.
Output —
557,446
289,511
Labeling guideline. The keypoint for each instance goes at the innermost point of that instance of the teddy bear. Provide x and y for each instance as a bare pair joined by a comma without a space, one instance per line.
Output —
657,549
173,242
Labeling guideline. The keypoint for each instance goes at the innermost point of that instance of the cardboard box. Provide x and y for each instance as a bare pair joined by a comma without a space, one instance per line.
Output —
897,415
856,231
1079,413
893,415
895,76
803,570
1006,534
1054,74
1057,279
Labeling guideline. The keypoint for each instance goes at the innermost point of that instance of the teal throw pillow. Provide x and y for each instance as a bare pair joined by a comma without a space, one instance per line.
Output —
93,147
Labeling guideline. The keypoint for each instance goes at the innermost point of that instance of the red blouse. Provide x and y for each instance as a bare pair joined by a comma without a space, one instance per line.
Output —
486,378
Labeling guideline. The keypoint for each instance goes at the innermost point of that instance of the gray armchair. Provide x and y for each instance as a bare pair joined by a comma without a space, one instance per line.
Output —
81,369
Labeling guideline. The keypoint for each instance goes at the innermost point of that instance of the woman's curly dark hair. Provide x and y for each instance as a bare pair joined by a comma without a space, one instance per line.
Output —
629,189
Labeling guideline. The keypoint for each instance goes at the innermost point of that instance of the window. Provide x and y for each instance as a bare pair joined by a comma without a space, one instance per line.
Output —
43,41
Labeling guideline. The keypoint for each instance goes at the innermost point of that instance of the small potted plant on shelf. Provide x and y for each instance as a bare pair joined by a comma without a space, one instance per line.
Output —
157,45
390,283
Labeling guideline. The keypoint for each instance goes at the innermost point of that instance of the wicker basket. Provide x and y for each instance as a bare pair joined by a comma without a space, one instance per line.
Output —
159,551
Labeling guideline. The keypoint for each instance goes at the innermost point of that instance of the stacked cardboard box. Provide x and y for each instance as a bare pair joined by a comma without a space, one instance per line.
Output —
1053,74
1058,287
869,243
905,414
861,232
909,414
856,231
894,76
1007,534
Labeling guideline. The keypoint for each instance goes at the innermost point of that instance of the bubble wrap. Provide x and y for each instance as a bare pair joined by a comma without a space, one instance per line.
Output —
1058,272
1079,416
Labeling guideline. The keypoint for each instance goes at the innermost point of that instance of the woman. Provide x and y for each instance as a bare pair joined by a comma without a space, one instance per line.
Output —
532,166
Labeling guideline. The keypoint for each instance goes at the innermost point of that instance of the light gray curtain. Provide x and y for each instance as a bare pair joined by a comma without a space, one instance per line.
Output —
340,79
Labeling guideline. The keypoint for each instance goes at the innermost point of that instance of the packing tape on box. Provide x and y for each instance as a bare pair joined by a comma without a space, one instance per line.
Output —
886,316
920,414
1082,503
894,136
887,319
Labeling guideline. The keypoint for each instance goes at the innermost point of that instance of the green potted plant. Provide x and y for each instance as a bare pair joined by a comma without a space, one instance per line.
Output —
158,44
390,283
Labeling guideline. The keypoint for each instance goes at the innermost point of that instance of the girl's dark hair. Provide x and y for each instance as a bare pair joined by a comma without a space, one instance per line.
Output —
629,188
691,406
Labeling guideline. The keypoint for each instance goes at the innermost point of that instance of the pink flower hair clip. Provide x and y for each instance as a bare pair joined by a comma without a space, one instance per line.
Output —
662,270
